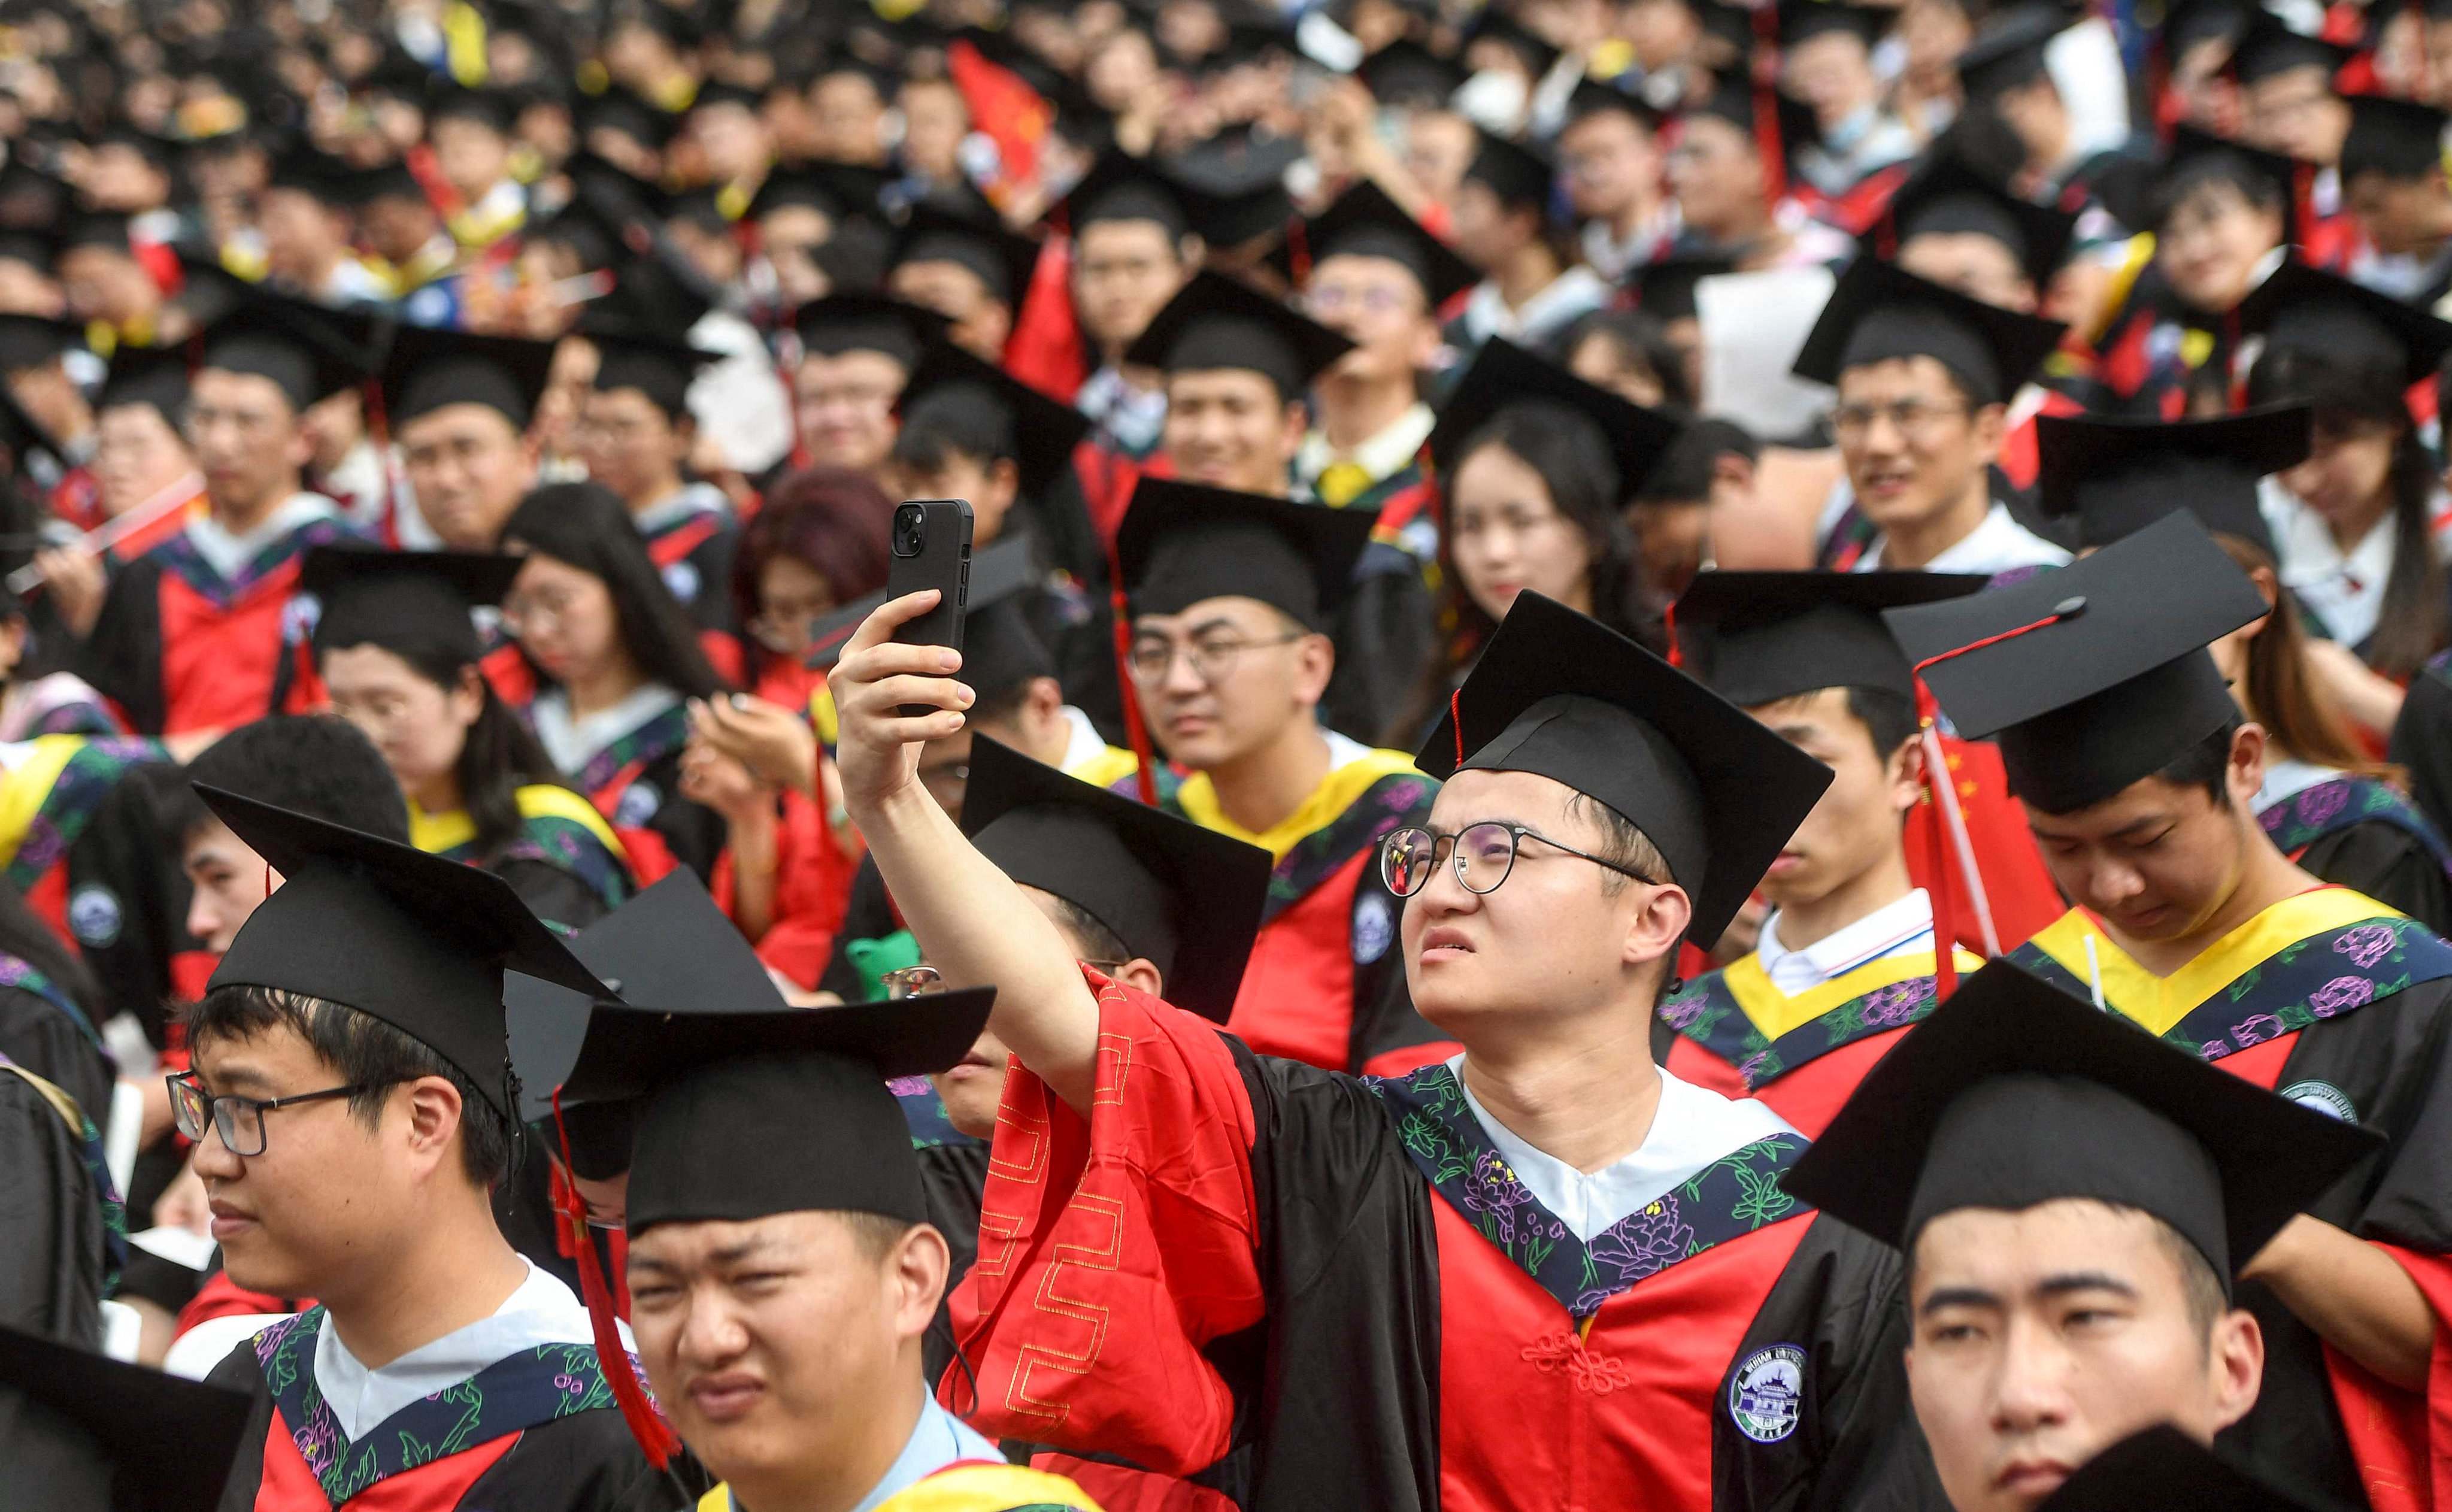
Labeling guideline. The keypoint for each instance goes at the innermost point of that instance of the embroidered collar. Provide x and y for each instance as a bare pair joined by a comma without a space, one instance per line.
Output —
1738,1016
1381,456
2334,802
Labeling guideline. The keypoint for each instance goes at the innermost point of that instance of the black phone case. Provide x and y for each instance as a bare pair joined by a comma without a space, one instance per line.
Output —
945,564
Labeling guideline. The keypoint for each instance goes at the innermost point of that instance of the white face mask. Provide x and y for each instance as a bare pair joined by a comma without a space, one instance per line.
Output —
1496,102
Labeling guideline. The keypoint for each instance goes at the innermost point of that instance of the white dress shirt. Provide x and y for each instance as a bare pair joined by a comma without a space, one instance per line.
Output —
1891,929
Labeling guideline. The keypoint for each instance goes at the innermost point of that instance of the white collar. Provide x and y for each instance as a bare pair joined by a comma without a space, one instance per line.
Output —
1690,1129
2344,589
2286,779
1997,545
694,497
1577,291
1381,456
228,553
1905,925
540,1311
572,742
1082,742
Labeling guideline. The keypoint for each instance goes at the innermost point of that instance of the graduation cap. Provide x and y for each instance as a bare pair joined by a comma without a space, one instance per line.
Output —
1119,187
89,1431
1039,433
1185,899
495,109
1364,222
2399,139
430,368
1879,311
1406,72
623,111
1664,287
635,356
403,601
36,248
318,175
2166,1470
386,181
1002,260
2200,153
1504,375
2269,49
33,341
1591,97
1801,21
1756,637
1496,25
724,91
2118,476
1214,322
861,322
2008,52
2301,308
1516,174
1561,695
1183,543
2100,678
1737,102
414,940
146,375
2014,1093
1947,197
107,229
1237,180
2189,23
311,352
837,189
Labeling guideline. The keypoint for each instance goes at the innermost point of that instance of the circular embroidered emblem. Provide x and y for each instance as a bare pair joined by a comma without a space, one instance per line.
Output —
1767,1394
1374,927
2325,1097
681,577
299,618
94,916
639,804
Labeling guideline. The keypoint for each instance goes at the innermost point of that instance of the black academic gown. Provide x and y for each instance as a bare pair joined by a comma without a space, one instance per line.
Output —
2421,740
52,1233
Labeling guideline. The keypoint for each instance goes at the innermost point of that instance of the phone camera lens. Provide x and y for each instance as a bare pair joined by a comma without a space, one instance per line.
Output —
910,530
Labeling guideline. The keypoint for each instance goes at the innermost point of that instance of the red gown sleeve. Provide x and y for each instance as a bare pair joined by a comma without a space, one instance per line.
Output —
1112,1251
812,887
2403,1439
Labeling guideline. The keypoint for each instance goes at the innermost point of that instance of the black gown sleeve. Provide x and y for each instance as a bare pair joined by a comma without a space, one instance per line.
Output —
2389,865
551,893
239,1372
123,656
51,1222
2421,741
585,1462
1382,634
126,853
953,1178
867,915
36,1035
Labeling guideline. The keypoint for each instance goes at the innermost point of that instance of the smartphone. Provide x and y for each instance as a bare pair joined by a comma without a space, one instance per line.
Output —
930,540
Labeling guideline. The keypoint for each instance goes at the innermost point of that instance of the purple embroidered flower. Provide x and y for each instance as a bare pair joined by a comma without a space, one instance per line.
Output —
2212,1050
1899,1003
2255,1030
908,1086
1680,1012
319,1441
42,847
2367,945
2338,994
1750,1068
2321,803
1491,1190
1643,1242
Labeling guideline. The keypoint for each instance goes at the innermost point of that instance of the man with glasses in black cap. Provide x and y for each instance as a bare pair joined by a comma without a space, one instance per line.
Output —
1539,1273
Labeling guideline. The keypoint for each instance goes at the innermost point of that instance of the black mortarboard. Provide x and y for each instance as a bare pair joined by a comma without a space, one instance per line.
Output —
1563,696
1947,197
318,175
403,601
80,1430
497,108
104,229
2302,308
856,322
1406,72
1214,322
1504,375
1755,638
724,91
1591,97
1181,543
657,365
2398,138
1041,433
2161,1469
2270,48
428,367
388,180
146,375
2194,152
1122,187
1494,24
2015,1093
417,941
1878,310
311,352
1187,900
31,341
1800,21
2009,51
1516,174
36,248
1664,287
618,109
2119,476
1364,222
2114,684
840,189
1004,260
1002,652
1237,184
1738,103
2188,23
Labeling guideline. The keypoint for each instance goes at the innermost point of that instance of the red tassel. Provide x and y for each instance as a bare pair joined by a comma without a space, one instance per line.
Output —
1765,73
1299,252
1668,621
655,1437
1455,720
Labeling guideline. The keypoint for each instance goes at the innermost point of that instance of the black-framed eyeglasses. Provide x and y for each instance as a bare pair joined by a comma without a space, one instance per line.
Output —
240,1119
1484,856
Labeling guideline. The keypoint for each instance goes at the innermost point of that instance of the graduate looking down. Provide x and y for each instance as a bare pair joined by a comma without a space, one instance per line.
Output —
1534,1214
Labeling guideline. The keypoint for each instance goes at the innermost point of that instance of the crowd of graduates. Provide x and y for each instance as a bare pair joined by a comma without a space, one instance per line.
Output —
1680,754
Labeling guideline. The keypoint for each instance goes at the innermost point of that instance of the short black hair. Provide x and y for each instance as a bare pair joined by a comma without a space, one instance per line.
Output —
363,1050
962,420
2207,764
1887,715
1091,940
315,764
1683,474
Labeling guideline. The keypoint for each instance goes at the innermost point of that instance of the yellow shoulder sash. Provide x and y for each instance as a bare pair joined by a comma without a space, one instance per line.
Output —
1775,1013
25,787
437,833
1334,795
